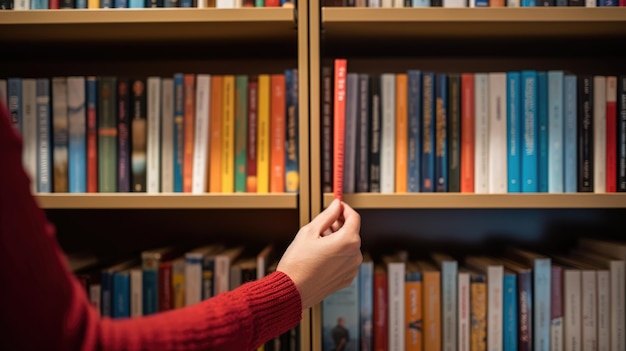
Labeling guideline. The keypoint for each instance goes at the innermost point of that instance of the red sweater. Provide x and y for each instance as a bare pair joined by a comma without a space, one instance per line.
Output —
43,306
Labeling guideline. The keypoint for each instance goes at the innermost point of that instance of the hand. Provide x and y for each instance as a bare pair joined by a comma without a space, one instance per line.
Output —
325,254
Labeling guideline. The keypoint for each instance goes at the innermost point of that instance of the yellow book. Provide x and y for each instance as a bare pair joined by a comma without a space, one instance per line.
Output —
178,282
93,4
431,285
402,130
215,136
228,134
263,135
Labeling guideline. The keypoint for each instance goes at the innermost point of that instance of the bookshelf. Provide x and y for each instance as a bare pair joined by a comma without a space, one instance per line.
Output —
380,40
161,42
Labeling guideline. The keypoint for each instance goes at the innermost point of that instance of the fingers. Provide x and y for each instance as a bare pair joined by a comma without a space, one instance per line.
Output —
323,222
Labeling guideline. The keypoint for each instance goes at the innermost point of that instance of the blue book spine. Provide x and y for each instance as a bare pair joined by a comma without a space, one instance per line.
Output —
292,170
414,137
150,280
39,5
44,137
481,3
541,312
77,153
542,119
121,295
509,318
14,94
441,132
107,4
81,4
555,132
428,130
107,293
420,3
186,3
606,3
340,316
366,304
136,4
179,140
530,131
570,139
514,140
121,4
208,273
528,3
449,282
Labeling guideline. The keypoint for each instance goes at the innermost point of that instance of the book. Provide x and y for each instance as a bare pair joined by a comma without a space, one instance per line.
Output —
524,283
530,131
467,132
375,134
514,134
556,176
350,132
585,134
179,135
621,133
414,111
60,135
201,150
228,134
92,133
215,132
570,135
599,133
441,132
150,261
196,289
388,133
448,266
454,132
77,143
29,130
543,125
463,311
497,135
428,131
481,133
380,316
340,319
263,135
107,134
401,133
44,136
167,135
413,307
189,127
396,271
292,148
139,129
251,147
494,273
327,98
241,133
339,116
154,93
124,135
366,303
363,137
431,286
611,134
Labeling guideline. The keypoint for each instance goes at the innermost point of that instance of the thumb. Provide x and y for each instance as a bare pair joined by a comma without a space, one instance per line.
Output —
325,219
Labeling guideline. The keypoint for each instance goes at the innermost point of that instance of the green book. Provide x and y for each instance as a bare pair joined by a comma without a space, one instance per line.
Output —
241,130
107,135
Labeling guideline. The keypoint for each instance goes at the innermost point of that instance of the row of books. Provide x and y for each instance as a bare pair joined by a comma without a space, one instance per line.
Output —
192,133
174,276
520,300
136,4
477,132
471,3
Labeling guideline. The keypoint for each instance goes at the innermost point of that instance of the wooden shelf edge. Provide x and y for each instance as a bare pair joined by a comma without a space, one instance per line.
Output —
482,201
168,201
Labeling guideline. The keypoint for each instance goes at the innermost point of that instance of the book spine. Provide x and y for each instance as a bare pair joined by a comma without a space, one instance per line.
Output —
467,132
107,135
381,332
277,134
350,133
543,120
589,310
414,137
179,136
136,306
178,282
215,139
60,126
292,149
556,308
555,132
375,133
510,313
121,295
167,135
153,155
29,130
251,151
339,120
139,127
44,137
525,321
263,135
14,95
428,131
530,129
497,148
201,134
241,132
604,310
165,286
585,134
413,311
189,118
401,140
449,273
228,134
542,302
150,287
464,311
193,278
432,312
570,138
396,276
327,129
77,162
599,134
513,125
495,277
478,313
366,304
92,134
363,139
572,324
481,133
388,133
454,132
441,132
107,294
124,170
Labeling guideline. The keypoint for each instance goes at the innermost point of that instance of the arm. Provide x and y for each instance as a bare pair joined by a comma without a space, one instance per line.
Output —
44,308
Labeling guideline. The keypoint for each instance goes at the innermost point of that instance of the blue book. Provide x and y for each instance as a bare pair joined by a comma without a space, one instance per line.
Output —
414,105
542,119
107,4
528,3
39,5
121,294
292,172
441,132
420,3
341,318
120,4
481,3
509,309
179,140
449,268
81,4
514,134
44,137
106,303
570,139
530,131
555,132
77,147
14,95
186,3
136,4
606,3
428,130
366,302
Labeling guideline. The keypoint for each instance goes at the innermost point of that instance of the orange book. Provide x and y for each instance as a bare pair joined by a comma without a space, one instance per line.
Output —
413,308
467,133
263,134
431,285
277,134
215,136
188,129
339,124
402,133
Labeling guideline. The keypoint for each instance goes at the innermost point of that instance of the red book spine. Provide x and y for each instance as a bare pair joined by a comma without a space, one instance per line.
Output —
467,133
277,134
54,4
165,286
339,124
380,311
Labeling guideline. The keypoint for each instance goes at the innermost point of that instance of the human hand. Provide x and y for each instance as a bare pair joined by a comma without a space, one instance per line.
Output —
325,254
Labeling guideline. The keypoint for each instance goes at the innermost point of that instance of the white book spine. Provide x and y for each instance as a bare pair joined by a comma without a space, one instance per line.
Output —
556,179
599,134
481,133
21,5
167,135
193,278
386,3
513,3
589,311
556,334
449,290
497,136
604,310
201,138
397,3
136,293
572,301
153,162
222,274
388,134
454,3
591,3
395,280
464,311
201,3
495,282
29,130
225,4
618,305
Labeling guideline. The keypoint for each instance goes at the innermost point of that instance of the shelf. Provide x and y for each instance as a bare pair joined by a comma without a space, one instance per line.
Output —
475,23
148,26
167,201
481,201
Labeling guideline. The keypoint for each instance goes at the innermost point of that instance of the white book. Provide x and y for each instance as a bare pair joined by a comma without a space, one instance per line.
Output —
397,3
454,3
464,311
388,134
225,4
599,134
604,310
21,5
513,3
395,287
201,3
591,3
386,3
494,271
29,130
153,155
136,292
497,149
481,133
572,309
201,138
223,261
3,93
167,135
194,260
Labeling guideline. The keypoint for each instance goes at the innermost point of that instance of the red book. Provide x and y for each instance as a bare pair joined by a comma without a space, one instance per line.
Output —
277,134
467,133
165,293
611,134
339,125
188,129
380,320
251,181
54,4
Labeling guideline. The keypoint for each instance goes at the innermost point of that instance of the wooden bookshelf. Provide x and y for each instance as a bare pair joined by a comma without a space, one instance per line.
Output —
167,201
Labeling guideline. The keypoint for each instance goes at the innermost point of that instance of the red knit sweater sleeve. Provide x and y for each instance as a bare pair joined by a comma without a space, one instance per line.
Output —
43,306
